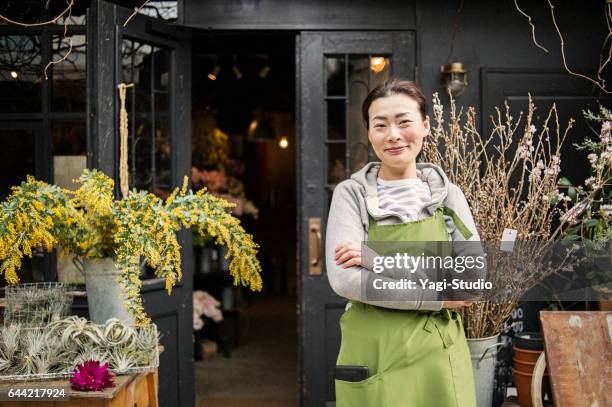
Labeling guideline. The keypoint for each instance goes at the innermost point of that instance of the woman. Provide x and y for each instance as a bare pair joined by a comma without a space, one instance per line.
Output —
411,341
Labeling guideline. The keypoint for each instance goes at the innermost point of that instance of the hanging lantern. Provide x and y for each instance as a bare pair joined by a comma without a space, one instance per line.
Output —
454,78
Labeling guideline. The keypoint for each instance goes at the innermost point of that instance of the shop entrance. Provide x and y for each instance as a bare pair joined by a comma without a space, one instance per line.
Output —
243,149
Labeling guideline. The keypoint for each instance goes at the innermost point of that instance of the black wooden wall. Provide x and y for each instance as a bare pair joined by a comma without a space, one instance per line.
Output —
489,34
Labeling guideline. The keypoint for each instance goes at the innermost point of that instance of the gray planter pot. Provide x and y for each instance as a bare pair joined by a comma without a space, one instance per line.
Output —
483,352
104,294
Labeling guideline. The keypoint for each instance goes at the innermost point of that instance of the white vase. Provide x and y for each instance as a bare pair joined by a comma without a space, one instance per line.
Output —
483,352
104,294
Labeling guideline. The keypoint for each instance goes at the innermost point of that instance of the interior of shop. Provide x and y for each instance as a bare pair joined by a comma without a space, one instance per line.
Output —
243,143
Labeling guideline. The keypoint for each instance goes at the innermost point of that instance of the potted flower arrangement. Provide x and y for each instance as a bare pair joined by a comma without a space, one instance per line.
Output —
204,305
118,233
510,181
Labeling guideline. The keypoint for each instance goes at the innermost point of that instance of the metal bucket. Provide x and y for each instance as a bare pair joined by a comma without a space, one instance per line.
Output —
104,294
483,352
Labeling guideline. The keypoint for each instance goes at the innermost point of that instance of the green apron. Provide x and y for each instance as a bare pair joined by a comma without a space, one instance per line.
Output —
415,358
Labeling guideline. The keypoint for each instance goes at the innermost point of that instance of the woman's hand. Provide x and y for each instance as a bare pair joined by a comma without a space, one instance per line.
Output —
456,304
348,255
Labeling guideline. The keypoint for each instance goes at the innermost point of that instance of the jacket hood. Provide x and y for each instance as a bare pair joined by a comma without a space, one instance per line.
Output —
428,173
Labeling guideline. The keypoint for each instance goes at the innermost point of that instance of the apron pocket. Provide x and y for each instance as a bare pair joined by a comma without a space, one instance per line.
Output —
365,393
463,376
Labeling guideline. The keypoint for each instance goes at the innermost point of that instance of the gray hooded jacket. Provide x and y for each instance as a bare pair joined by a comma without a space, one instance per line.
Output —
354,200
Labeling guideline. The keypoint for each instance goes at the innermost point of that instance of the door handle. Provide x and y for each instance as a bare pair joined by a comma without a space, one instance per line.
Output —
314,246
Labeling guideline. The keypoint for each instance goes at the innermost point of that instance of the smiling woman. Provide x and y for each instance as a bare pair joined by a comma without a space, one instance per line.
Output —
397,128
410,339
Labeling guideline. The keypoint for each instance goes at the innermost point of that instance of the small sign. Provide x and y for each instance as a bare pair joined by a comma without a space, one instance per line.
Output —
507,240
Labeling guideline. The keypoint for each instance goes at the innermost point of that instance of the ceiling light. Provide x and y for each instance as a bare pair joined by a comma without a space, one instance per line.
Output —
377,64
283,143
213,74
252,127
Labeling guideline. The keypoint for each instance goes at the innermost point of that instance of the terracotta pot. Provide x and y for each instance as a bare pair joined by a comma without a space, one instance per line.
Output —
604,305
529,340
524,362
523,387
525,367
522,366
526,355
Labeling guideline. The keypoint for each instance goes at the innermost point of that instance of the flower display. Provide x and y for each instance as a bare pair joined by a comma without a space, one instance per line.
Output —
205,304
590,216
214,170
226,184
92,376
90,223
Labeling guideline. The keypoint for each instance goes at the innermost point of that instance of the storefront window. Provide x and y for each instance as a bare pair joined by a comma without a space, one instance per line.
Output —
17,157
147,103
69,90
69,138
26,11
20,73
349,78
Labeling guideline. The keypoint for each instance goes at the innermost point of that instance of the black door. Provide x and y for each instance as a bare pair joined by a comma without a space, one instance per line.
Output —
155,57
336,70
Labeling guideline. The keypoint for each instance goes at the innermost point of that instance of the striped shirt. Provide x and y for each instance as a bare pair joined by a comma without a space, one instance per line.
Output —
404,197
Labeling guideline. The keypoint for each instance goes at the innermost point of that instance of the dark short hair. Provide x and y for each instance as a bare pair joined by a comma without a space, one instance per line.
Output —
395,87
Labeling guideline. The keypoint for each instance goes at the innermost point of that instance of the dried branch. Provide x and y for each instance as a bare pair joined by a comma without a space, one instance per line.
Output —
531,24
68,11
52,62
136,10
602,64
600,84
510,181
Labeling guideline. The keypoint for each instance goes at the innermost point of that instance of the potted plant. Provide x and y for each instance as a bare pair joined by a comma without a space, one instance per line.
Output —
510,181
116,234
591,219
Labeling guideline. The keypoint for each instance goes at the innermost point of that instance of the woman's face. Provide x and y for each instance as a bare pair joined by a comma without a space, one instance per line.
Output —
396,129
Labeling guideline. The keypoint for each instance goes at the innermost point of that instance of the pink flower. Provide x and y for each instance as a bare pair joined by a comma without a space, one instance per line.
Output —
197,177
214,180
205,304
198,323
92,376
